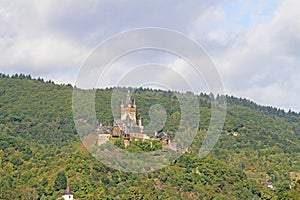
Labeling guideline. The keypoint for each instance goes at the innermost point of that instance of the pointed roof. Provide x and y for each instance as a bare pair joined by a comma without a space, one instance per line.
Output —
67,191
127,120
104,130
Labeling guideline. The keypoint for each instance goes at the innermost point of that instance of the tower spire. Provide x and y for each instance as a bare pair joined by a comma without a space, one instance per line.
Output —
127,100
67,195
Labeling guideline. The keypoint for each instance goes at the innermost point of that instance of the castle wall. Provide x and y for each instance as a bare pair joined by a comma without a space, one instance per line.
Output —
103,138
116,131
132,114
124,111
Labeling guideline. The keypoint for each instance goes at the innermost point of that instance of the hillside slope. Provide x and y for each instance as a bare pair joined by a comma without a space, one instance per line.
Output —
38,139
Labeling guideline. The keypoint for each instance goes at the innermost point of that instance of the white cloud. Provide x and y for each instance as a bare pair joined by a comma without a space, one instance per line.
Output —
43,53
255,49
262,61
29,45
47,37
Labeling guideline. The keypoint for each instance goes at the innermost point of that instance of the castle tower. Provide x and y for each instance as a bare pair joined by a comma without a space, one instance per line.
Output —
128,109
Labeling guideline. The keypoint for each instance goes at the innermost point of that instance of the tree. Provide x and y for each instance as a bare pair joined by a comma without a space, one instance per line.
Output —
60,181
44,182
29,194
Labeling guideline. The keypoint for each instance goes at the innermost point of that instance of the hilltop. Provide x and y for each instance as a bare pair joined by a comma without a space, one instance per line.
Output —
38,139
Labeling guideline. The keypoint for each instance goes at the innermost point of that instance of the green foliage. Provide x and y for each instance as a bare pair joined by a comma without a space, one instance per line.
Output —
60,182
40,150
119,143
147,145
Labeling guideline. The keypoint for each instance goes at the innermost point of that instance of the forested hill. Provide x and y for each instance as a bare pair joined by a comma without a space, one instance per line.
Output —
38,139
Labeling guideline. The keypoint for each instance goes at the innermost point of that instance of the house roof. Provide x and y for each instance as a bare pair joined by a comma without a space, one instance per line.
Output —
135,129
268,183
105,130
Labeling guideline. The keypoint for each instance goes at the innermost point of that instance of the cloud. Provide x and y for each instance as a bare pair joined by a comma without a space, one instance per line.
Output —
43,53
259,61
48,37
255,45
28,45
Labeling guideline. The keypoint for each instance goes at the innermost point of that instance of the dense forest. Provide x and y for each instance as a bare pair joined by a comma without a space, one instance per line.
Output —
40,151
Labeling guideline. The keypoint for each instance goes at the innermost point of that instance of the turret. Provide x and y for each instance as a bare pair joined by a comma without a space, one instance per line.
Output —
128,100
134,103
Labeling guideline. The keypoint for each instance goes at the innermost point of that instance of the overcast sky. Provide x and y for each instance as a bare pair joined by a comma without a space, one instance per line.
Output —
255,45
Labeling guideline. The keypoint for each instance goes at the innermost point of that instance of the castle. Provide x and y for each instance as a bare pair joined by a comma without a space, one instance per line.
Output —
125,127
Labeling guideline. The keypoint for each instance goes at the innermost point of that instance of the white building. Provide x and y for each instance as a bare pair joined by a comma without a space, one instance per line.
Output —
67,195
269,185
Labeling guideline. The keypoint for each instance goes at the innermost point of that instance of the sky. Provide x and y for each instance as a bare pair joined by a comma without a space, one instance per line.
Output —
255,45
